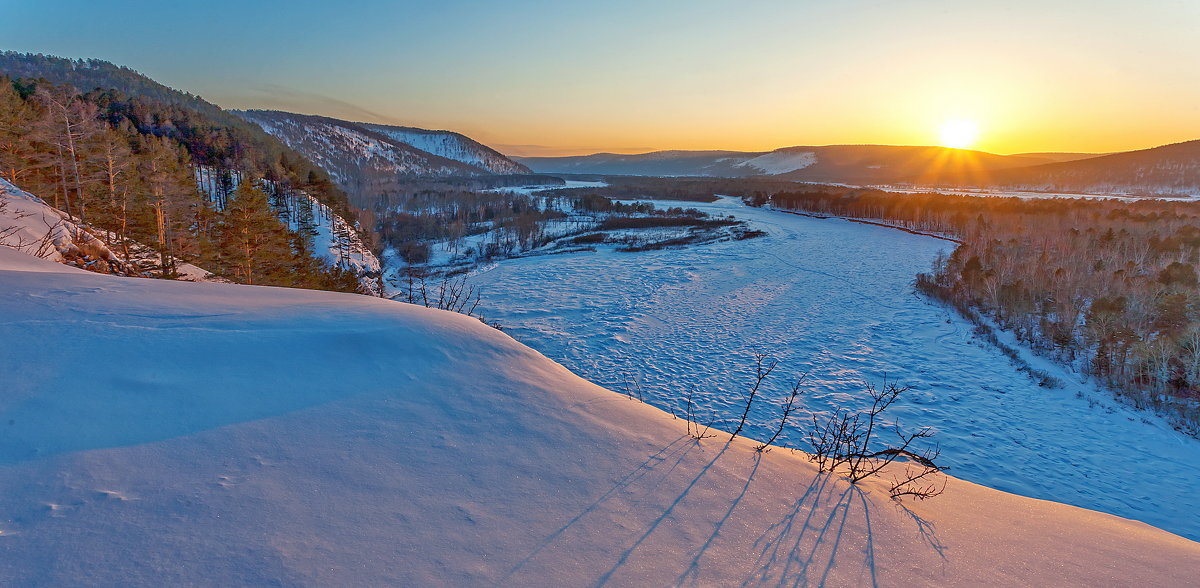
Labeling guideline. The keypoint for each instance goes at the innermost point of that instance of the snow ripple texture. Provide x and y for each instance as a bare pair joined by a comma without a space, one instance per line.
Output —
834,299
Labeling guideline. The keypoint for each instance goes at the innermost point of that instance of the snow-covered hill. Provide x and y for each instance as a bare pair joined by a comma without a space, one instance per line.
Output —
352,155
451,145
1168,169
233,435
365,158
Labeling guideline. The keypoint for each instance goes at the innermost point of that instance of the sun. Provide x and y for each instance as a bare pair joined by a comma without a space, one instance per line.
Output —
959,133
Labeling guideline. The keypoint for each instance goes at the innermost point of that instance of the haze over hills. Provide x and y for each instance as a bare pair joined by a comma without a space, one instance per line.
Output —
1171,169
1166,169
835,163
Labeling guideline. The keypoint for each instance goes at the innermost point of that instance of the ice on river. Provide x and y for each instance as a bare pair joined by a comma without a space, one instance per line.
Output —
834,299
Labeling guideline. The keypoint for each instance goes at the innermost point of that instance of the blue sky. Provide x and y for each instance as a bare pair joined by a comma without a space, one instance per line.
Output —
628,76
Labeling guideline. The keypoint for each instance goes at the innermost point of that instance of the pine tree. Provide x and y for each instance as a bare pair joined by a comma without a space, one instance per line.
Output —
254,245
18,155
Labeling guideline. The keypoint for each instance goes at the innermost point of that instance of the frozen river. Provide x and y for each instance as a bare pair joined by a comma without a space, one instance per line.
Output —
834,299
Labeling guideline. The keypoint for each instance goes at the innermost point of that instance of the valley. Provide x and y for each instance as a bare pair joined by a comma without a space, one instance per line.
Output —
606,331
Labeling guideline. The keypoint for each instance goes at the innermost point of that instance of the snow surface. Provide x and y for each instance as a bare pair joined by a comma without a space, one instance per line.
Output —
834,298
231,435
781,162
30,225
530,190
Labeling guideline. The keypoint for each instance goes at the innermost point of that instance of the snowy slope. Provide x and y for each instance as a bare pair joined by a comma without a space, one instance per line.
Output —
351,154
780,162
451,145
30,225
835,297
339,243
231,435
333,238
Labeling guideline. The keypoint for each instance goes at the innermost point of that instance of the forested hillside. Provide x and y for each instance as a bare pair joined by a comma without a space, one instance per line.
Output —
1168,169
212,136
122,154
370,160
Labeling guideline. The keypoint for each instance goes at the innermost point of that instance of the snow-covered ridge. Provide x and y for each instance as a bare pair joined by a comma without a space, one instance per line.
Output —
780,162
208,433
350,153
358,154
452,146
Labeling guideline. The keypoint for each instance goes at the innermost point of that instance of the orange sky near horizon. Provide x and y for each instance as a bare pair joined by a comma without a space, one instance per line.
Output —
543,78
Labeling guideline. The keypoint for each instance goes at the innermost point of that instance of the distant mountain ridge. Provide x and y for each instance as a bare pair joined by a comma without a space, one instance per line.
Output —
1168,169
829,163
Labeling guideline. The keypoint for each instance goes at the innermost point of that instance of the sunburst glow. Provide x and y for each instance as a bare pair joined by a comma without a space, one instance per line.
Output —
959,133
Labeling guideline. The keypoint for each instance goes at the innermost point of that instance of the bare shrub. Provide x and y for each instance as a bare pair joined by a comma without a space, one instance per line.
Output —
453,294
787,411
844,441
693,424
450,294
762,370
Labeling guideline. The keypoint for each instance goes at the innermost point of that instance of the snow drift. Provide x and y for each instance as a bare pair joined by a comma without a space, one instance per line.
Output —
156,432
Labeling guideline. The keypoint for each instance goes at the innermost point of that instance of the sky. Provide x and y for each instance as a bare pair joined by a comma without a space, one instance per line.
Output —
534,77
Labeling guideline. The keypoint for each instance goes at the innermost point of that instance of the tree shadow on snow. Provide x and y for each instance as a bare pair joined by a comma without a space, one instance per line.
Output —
813,539
674,449
667,513
819,533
